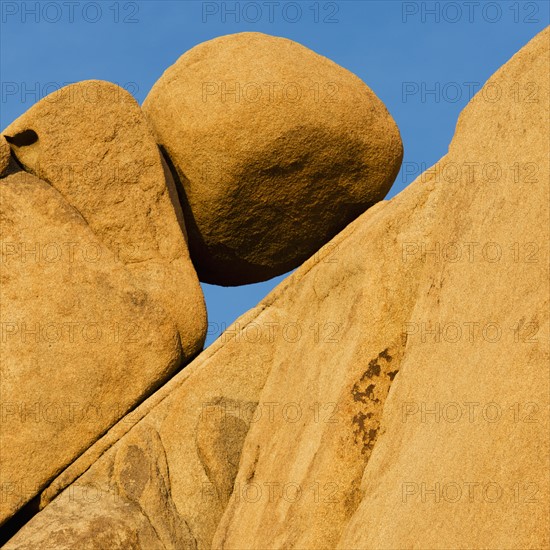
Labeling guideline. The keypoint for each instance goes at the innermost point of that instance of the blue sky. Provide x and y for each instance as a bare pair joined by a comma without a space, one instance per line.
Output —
423,59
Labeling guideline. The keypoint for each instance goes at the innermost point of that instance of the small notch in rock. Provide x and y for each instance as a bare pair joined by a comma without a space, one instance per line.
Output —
22,139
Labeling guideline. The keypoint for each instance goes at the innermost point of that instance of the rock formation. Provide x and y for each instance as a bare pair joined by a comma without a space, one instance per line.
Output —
81,344
393,392
95,265
91,142
276,148
5,156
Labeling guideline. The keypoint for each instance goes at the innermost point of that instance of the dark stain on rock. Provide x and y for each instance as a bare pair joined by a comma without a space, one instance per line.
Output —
359,392
370,393
135,473
252,471
220,436
364,435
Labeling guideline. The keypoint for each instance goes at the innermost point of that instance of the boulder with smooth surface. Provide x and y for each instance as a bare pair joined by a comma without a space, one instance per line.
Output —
276,149
80,344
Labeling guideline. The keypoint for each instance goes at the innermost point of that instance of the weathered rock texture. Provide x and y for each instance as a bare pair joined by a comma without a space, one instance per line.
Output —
277,149
310,427
91,142
488,467
81,345
5,156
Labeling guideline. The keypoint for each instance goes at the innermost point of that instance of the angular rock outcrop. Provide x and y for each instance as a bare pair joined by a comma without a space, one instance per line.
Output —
463,461
81,345
392,393
277,149
91,142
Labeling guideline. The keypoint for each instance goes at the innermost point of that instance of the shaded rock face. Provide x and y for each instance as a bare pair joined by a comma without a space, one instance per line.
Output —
330,410
75,330
91,142
276,148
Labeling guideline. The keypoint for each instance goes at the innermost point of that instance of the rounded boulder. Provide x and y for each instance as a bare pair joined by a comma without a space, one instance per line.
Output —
276,150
